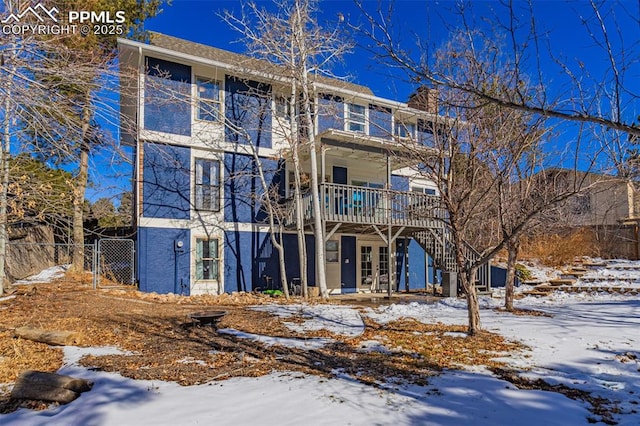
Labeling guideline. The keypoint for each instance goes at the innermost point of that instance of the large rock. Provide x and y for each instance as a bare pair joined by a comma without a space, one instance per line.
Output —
32,252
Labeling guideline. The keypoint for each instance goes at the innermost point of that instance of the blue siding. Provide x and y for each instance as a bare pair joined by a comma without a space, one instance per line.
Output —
241,184
418,268
330,113
348,270
167,97
292,255
249,256
166,181
157,259
248,107
380,122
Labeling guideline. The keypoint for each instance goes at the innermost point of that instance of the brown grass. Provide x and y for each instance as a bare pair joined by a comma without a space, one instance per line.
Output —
162,343
560,249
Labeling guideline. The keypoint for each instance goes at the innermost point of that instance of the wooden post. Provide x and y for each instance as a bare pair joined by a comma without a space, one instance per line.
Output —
50,337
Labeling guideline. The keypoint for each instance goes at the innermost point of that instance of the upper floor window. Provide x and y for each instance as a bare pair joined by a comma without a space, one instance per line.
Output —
209,105
283,107
581,204
167,97
422,190
405,130
207,259
207,190
356,118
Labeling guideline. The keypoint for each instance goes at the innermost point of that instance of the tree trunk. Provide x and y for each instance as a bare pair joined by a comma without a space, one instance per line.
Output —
80,188
4,166
283,269
49,387
295,147
512,256
473,307
302,246
318,228
50,337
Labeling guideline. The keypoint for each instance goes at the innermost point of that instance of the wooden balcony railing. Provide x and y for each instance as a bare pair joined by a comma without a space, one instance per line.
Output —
373,206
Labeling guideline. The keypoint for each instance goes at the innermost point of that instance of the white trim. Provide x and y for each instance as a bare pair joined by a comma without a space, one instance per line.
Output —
156,222
206,286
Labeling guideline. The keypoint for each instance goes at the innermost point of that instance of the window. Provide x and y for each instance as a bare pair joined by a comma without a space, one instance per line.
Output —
305,183
209,105
405,130
366,265
333,251
384,261
356,118
428,191
581,204
207,260
425,133
167,97
283,107
207,191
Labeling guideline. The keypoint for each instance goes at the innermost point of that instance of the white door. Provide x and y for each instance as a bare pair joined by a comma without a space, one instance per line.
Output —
373,266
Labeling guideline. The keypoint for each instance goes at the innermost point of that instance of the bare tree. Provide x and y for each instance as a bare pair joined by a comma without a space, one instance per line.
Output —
490,162
28,107
605,101
303,51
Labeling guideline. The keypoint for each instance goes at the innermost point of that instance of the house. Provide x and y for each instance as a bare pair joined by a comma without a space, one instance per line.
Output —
604,206
204,122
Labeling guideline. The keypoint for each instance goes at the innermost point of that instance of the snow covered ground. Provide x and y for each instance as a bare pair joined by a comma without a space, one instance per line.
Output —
591,342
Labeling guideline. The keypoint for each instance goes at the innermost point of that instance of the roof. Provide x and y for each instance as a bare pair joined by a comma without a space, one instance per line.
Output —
208,52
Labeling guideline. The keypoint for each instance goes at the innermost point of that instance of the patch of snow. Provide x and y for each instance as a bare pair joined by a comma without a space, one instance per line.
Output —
373,346
312,343
337,319
44,276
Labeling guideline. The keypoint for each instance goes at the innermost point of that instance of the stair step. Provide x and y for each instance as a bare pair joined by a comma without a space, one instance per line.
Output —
570,275
562,281
535,293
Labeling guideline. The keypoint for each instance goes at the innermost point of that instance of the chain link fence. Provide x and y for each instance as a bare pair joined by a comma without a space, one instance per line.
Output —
115,262
107,262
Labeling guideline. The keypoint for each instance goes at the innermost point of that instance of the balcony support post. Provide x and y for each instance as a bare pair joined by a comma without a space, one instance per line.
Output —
390,274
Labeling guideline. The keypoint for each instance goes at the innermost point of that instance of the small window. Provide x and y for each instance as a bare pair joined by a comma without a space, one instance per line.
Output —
283,107
428,191
333,251
207,260
209,105
405,130
356,118
207,185
305,183
581,204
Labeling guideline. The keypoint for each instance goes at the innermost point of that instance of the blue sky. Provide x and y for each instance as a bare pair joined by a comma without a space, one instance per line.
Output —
431,21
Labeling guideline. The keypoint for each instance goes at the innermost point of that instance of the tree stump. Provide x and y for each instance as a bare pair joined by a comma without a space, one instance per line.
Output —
51,387
51,337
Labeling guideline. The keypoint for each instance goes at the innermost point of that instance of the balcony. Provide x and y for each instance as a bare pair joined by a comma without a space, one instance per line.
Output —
359,207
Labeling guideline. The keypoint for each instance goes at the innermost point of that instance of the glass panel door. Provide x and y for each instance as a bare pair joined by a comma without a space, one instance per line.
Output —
366,265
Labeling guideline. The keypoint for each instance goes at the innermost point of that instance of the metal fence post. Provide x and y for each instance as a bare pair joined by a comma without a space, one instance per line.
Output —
94,267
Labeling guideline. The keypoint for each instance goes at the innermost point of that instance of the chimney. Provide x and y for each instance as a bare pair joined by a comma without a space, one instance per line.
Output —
425,99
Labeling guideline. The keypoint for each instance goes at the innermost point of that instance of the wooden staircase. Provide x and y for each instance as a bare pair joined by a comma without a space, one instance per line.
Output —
437,243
